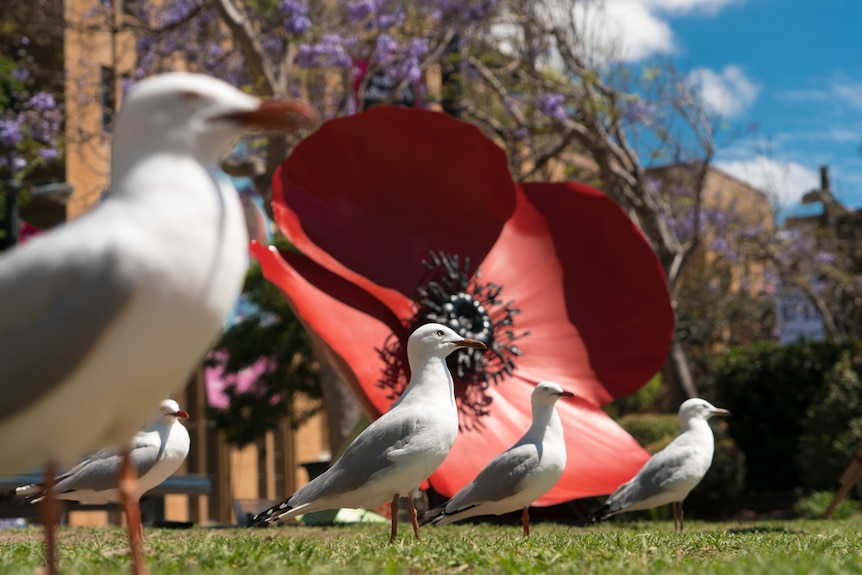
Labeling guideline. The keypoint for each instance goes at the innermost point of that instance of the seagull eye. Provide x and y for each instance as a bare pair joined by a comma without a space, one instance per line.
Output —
440,332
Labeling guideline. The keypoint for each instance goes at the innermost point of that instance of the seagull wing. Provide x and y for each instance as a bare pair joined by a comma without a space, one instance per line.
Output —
100,471
657,476
378,448
502,478
57,303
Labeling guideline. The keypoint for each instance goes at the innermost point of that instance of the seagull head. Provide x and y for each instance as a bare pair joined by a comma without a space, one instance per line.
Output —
198,115
697,408
548,392
437,340
170,411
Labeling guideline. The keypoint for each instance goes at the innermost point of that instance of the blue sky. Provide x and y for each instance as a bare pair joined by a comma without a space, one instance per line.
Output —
791,67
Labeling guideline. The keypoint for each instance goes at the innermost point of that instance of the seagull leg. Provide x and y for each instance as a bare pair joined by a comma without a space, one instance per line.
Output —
127,485
393,508
414,517
50,510
525,519
676,508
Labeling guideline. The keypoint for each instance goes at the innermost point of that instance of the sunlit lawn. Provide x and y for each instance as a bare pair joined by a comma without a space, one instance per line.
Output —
768,547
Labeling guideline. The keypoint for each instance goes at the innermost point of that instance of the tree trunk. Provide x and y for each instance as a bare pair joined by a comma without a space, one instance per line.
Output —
343,411
677,375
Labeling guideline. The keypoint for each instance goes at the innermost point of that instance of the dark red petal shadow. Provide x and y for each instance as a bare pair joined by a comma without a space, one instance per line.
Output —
524,262
616,292
367,196
351,323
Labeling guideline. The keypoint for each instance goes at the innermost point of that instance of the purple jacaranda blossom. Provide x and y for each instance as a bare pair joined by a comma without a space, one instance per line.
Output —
824,258
411,69
330,51
719,245
359,11
639,112
296,20
43,101
461,11
521,133
49,154
553,106
20,74
10,132
417,48
386,20
385,48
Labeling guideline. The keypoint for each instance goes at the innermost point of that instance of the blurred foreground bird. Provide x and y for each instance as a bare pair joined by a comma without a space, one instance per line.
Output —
670,474
155,453
519,475
117,307
399,450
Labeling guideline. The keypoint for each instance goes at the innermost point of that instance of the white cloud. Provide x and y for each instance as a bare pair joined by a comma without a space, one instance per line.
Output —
728,93
633,30
784,181
843,135
685,6
848,92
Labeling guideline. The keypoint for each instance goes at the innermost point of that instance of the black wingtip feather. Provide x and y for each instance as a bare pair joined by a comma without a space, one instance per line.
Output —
599,514
265,517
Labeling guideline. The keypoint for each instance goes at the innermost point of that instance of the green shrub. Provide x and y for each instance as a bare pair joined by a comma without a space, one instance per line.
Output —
715,496
769,388
813,506
832,429
652,430
637,402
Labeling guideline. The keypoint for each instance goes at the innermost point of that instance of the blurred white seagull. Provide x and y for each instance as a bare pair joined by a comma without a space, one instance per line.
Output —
117,307
155,453
670,474
398,451
519,475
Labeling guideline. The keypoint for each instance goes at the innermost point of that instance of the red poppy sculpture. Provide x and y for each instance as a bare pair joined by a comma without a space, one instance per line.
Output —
400,217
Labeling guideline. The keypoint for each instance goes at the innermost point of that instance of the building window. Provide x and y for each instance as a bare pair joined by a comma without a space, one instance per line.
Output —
109,99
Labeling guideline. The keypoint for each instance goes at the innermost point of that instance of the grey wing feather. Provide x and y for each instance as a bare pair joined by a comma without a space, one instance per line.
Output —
100,472
367,455
60,310
652,478
500,479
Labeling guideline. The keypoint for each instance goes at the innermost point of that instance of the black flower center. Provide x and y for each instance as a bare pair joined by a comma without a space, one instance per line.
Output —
451,295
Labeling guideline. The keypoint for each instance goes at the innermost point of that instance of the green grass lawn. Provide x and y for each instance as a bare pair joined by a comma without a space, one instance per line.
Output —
767,547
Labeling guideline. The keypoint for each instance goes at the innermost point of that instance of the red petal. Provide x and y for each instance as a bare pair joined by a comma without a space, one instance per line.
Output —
367,196
615,290
525,263
348,320
600,454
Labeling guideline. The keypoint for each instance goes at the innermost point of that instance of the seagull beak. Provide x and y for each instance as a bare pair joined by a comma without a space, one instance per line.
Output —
720,412
181,414
565,394
467,342
274,116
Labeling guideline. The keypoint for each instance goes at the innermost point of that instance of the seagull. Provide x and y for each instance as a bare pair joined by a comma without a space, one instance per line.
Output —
156,452
669,475
115,308
398,451
519,475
